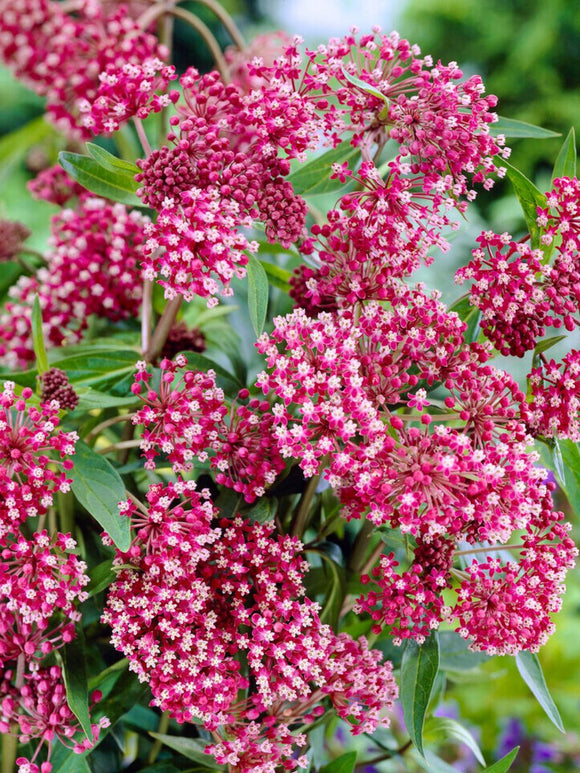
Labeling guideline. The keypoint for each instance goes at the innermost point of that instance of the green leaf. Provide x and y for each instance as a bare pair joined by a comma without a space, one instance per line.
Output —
38,338
75,682
192,748
419,668
565,165
546,343
445,728
117,185
455,655
277,276
335,587
109,161
469,314
101,577
503,765
530,199
520,129
314,177
364,86
99,488
15,146
257,294
570,457
92,399
531,672
106,370
261,512
342,764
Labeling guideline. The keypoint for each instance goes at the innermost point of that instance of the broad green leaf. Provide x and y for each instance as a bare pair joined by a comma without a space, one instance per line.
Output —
503,765
314,177
192,748
419,668
104,370
565,165
117,185
342,764
91,399
260,512
546,343
364,86
443,728
257,294
101,577
65,761
530,199
38,337
520,129
335,587
469,314
531,672
455,655
15,146
99,488
277,276
75,682
109,161
224,379
570,457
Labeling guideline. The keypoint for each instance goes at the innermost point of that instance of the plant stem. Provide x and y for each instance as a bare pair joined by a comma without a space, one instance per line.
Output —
162,330
300,517
207,35
108,423
489,549
162,728
118,446
385,756
227,21
146,311
9,752
138,123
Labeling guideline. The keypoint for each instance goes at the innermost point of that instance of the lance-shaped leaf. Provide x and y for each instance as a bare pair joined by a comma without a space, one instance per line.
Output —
565,165
277,276
75,682
257,294
99,488
117,185
530,199
520,129
503,765
38,337
314,177
343,764
444,728
532,674
419,668
109,161
192,748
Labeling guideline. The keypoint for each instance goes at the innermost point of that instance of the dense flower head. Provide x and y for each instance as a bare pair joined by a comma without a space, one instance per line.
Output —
128,91
560,220
40,710
41,581
56,386
55,186
92,268
508,288
187,419
60,55
181,338
32,451
555,405
264,48
13,234
386,90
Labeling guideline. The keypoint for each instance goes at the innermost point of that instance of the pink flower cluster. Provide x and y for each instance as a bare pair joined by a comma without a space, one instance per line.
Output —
195,594
520,295
188,418
41,579
92,268
60,56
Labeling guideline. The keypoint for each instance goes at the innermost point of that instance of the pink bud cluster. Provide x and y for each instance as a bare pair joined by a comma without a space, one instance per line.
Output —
195,595
60,56
34,458
92,268
188,418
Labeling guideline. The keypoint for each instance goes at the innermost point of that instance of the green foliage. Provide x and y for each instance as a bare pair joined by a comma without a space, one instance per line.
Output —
418,672
503,765
532,674
565,165
343,764
192,748
110,182
38,337
313,178
99,488
75,680
257,294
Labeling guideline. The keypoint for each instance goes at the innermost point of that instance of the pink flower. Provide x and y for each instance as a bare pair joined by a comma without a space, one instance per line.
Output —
555,406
